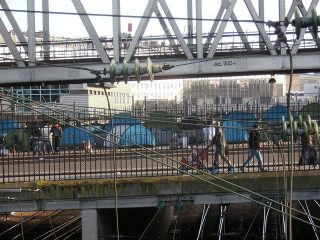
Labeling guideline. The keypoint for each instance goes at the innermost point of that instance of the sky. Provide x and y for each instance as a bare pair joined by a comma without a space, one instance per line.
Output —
71,26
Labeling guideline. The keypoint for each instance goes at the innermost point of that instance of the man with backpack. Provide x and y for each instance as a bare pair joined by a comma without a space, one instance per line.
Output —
254,148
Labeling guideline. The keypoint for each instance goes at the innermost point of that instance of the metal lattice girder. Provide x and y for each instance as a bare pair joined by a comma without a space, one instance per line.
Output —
240,31
14,24
175,29
140,30
10,44
216,23
222,27
166,30
91,31
260,27
228,66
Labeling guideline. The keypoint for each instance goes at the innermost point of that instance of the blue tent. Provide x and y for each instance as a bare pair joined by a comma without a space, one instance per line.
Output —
274,114
245,119
131,136
7,125
75,137
234,132
122,119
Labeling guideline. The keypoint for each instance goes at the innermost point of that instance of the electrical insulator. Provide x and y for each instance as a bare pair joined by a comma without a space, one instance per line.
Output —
303,22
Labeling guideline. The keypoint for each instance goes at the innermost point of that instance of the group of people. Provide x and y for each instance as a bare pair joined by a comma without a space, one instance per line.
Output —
214,137
45,138
222,150
308,152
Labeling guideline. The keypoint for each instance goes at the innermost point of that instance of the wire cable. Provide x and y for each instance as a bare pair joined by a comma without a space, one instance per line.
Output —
149,224
114,165
215,184
132,16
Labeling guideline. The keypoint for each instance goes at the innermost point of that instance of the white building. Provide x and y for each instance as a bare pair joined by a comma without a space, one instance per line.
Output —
159,90
93,96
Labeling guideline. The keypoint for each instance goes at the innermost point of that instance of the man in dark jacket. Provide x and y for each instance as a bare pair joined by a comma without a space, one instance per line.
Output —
254,148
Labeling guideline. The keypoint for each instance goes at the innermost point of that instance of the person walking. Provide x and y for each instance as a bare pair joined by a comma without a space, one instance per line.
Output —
35,137
46,136
254,148
56,136
220,150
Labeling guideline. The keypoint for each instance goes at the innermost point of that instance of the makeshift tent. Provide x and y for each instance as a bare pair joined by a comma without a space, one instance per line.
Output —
312,109
122,119
161,120
191,123
127,135
6,126
245,119
76,137
274,114
234,132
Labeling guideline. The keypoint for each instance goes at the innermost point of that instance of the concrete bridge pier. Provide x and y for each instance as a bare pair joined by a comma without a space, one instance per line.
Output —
100,224
90,224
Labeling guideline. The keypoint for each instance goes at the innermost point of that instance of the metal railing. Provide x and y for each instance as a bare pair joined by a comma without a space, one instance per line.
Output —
137,145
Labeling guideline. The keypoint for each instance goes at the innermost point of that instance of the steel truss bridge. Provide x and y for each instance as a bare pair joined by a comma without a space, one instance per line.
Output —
243,50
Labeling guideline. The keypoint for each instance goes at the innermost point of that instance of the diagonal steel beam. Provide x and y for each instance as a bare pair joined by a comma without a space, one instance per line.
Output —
10,44
14,24
240,31
175,29
166,30
91,30
216,23
140,30
260,27
221,29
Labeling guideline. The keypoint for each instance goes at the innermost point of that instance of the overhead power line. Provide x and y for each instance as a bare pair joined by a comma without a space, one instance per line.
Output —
128,16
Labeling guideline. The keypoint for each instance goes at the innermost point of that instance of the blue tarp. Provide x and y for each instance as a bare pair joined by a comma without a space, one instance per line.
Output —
72,136
131,136
274,114
6,126
234,132
122,119
245,119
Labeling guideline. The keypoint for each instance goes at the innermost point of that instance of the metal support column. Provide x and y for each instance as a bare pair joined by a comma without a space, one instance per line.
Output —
261,16
190,23
199,29
31,33
266,210
223,210
203,220
307,212
46,30
116,29
282,15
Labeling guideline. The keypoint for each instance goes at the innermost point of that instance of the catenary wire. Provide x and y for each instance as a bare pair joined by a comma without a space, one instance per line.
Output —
132,16
215,184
